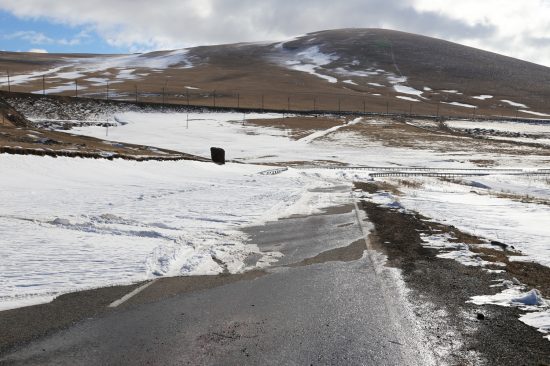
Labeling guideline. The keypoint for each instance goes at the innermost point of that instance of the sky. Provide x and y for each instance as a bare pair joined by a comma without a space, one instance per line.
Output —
517,29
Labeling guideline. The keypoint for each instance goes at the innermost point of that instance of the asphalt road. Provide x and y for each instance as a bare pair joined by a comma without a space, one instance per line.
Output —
325,303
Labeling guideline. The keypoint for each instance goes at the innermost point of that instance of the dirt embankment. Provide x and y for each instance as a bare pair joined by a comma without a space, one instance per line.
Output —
11,117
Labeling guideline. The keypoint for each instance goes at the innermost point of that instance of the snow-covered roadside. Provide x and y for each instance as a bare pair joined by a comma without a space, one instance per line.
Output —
122,222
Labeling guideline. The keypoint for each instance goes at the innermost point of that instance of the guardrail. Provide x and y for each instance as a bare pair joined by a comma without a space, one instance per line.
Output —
378,168
273,171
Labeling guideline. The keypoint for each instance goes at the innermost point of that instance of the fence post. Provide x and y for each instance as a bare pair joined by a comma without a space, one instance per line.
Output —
262,101
9,86
387,107
214,97
517,112
76,87
411,110
43,85
474,112
437,110
162,95
289,104
135,86
238,100
107,91
363,107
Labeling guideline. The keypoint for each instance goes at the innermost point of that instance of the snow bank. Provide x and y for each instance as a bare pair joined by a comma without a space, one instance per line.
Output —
72,224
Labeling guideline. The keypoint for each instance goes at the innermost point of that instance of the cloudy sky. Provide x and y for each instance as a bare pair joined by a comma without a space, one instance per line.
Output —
518,29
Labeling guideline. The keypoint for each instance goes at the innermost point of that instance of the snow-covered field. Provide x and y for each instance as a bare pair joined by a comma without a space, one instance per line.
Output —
122,222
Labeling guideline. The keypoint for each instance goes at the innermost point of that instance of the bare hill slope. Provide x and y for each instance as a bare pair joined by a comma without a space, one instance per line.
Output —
349,69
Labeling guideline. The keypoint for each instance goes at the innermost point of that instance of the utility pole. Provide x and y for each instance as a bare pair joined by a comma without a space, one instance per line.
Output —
9,87
76,87
43,85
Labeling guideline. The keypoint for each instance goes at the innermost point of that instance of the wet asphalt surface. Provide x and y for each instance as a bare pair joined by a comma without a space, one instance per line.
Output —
332,310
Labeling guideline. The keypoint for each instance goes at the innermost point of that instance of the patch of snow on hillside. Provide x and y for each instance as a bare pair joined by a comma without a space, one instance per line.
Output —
535,113
408,98
427,89
514,103
349,82
460,104
310,61
407,90
483,97
376,84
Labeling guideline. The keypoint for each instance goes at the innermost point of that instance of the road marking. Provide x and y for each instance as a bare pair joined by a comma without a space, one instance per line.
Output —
116,303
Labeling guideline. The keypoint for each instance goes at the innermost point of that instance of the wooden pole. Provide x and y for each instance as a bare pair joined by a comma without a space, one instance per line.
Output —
387,107
262,101
438,110
238,100
214,97
162,95
289,103
474,112
9,86
363,107
76,87
135,86
43,85
107,91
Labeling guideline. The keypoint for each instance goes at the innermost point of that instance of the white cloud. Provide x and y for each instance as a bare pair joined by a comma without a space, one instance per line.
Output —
38,50
31,36
73,42
517,29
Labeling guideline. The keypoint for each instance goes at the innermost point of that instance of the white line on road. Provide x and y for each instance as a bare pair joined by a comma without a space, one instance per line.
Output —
116,303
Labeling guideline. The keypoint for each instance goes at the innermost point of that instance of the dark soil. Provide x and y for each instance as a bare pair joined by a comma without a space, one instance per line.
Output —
441,287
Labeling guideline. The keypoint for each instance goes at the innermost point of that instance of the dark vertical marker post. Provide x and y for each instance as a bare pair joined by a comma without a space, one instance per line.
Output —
135,86
437,110
107,91
364,107
262,101
214,97
187,122
76,87
517,112
187,97
238,100
9,86
314,105
339,101
411,109
474,112
387,108
43,85
162,95
289,104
